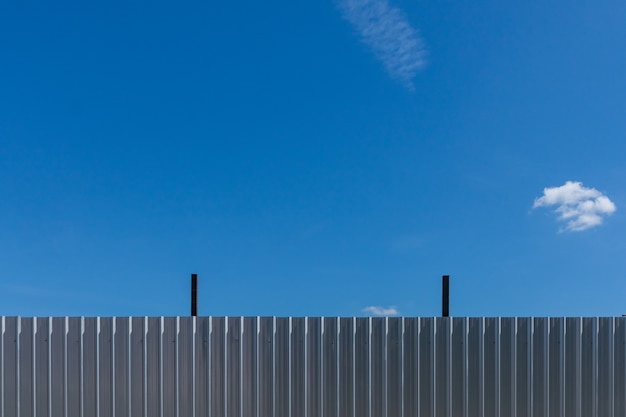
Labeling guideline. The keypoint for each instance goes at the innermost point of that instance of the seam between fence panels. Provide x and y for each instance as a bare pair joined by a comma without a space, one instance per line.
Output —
176,367
242,325
306,366
34,364
129,370
337,366
513,404
113,394
145,367
530,366
354,367
562,353
49,366
612,367
2,363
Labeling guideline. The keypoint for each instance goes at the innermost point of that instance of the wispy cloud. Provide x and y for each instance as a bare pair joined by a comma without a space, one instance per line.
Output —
387,31
381,311
582,208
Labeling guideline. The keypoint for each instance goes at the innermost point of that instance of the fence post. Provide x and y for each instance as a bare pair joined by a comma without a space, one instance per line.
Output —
194,295
445,293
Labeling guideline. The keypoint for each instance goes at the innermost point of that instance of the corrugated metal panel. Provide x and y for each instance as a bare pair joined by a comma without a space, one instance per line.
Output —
346,367
265,361
312,367
298,367
362,367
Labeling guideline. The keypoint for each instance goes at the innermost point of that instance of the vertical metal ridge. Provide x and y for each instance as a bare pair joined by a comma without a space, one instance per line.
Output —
481,367
130,369
34,365
19,367
623,370
2,370
209,388
498,365
514,369
258,366
290,359
562,341
522,372
546,366
194,387
113,393
578,381
354,367
176,367
531,343
145,367
50,366
225,347
369,346
306,366
611,369
433,367
385,364
448,383
66,331
465,367
161,363
82,367
594,350
3,367
274,364
98,366
418,335
338,370
322,362
402,365
242,335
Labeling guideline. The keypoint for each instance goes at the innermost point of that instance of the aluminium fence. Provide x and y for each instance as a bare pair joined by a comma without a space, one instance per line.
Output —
312,367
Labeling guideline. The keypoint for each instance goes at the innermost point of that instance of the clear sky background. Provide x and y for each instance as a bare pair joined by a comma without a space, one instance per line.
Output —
313,158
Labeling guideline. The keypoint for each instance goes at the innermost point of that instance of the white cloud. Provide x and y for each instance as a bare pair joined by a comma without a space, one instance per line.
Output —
390,35
381,311
581,207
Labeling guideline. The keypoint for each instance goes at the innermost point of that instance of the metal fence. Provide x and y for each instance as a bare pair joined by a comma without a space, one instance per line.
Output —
310,367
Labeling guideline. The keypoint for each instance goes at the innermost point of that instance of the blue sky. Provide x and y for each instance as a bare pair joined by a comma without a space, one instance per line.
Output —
313,158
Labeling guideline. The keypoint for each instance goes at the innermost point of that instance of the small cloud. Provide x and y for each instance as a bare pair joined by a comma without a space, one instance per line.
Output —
381,311
582,208
388,32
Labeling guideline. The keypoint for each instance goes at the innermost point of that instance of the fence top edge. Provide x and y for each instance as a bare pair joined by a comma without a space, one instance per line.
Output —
319,317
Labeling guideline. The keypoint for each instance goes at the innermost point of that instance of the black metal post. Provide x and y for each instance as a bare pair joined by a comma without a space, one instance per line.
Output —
445,301
194,295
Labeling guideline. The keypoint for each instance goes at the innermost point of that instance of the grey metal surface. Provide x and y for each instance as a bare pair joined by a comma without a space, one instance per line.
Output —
312,367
